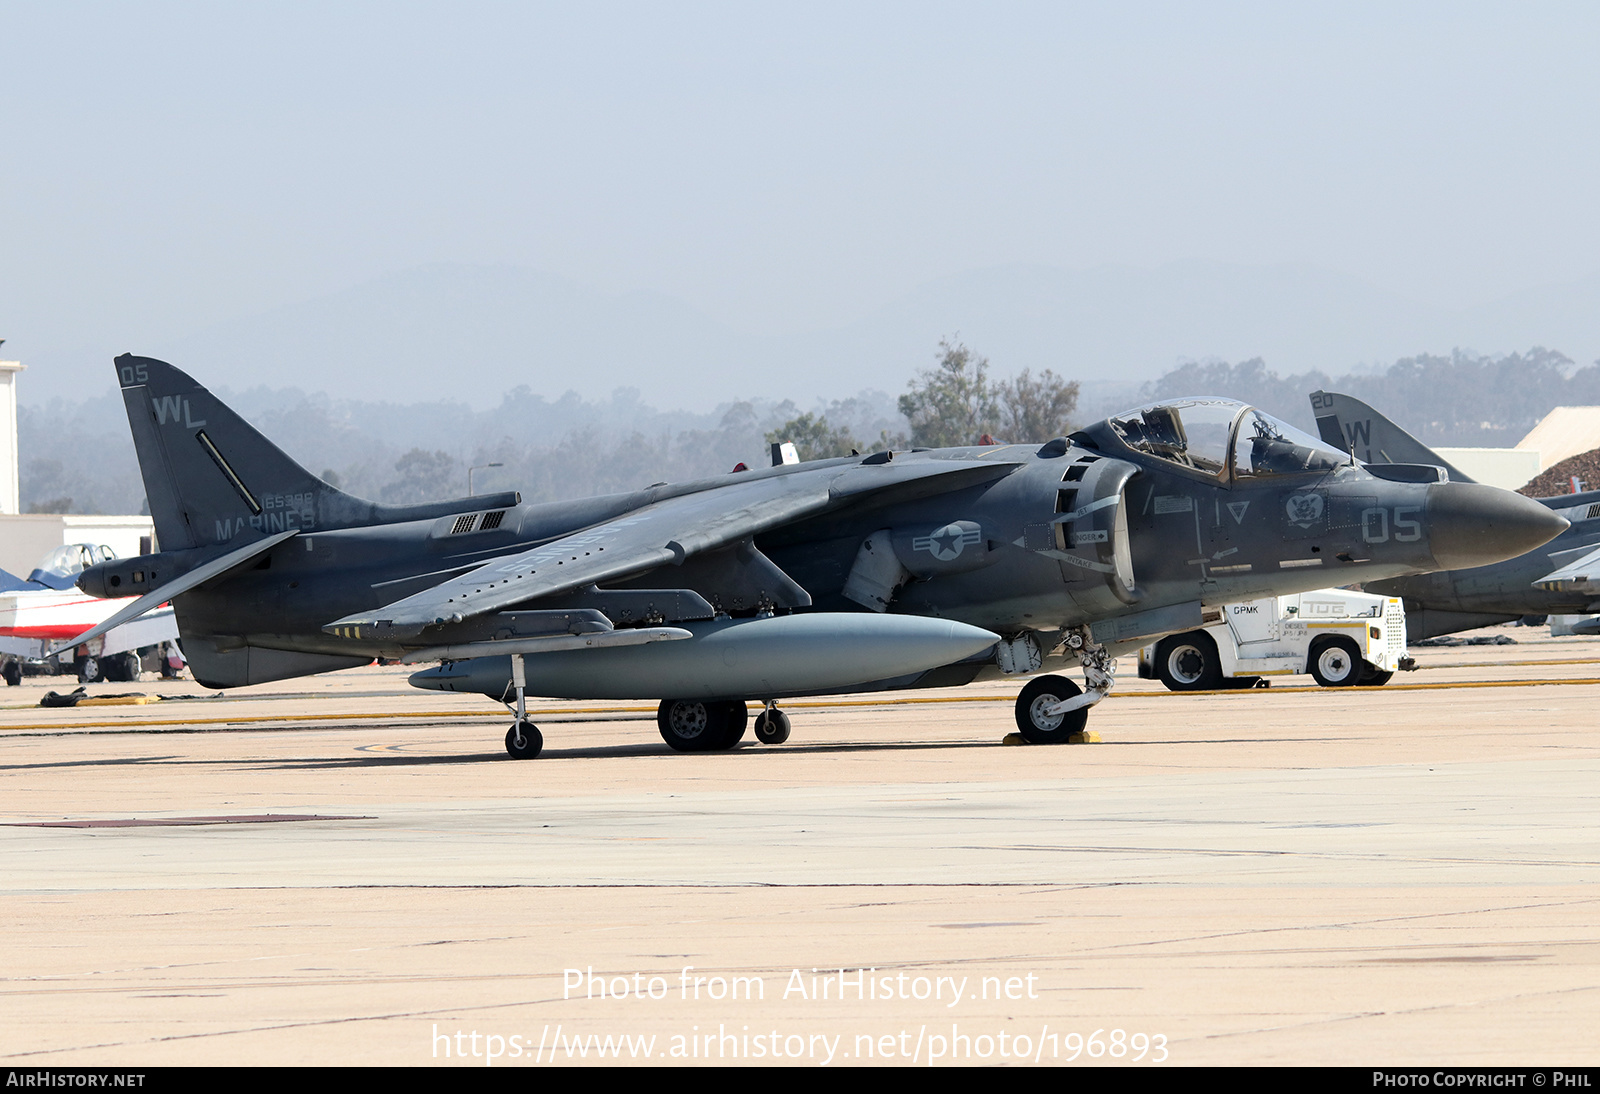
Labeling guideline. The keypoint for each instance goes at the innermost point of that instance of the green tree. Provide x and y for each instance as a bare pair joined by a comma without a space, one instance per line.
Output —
424,476
814,438
951,404
1034,410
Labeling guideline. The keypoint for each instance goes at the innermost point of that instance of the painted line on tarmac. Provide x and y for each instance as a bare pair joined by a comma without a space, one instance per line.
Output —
1313,689
1511,664
247,720
568,713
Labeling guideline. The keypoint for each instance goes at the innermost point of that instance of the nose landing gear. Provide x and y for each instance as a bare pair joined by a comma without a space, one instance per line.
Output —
1052,709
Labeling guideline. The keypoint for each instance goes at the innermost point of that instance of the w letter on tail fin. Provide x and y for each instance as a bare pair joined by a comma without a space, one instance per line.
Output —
1352,426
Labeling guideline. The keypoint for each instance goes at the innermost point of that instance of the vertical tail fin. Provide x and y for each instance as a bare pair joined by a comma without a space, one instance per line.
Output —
208,474
1352,426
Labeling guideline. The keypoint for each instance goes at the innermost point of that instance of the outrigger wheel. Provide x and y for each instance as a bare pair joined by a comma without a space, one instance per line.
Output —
523,740
772,726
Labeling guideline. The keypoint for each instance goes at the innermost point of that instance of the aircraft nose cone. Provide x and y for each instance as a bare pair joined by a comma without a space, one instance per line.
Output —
1474,525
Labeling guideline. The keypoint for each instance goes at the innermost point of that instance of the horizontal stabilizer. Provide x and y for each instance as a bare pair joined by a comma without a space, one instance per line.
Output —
156,597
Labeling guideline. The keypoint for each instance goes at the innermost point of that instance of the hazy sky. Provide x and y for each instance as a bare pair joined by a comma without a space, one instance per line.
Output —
781,167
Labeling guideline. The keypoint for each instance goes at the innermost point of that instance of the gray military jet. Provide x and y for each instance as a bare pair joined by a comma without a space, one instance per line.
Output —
1553,578
894,570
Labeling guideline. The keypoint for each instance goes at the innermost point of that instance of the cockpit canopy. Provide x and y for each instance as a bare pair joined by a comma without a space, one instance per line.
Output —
60,567
1224,438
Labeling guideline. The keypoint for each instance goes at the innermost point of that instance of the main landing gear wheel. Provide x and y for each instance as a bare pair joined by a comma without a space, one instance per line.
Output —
772,726
1042,693
1189,662
738,718
1337,663
689,725
526,744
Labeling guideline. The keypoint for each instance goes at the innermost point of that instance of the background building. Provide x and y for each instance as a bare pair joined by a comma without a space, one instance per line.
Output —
25,538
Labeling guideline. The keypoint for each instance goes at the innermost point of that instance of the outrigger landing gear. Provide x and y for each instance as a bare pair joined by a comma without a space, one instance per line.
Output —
772,725
1052,709
523,740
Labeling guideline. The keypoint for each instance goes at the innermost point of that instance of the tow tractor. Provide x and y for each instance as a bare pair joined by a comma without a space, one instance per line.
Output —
1343,638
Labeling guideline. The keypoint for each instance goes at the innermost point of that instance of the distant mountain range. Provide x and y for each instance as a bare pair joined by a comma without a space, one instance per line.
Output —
471,333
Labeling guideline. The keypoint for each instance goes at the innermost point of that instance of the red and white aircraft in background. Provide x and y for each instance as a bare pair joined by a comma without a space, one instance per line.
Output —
47,608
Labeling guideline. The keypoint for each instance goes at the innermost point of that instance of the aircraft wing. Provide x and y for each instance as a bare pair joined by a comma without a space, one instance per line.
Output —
666,531
1581,574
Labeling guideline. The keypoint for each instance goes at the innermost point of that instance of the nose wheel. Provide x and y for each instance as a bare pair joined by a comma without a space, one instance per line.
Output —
1038,720
1052,709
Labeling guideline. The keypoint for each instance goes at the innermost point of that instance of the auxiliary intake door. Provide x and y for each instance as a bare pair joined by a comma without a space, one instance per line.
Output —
1091,525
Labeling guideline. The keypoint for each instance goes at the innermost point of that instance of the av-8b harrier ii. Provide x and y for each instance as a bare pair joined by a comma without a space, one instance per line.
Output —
1550,579
894,570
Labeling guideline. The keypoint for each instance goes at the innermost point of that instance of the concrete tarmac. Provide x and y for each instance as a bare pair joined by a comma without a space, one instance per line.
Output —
345,870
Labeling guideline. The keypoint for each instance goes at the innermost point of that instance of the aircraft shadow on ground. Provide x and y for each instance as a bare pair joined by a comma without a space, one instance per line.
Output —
371,759
596,752
125,760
